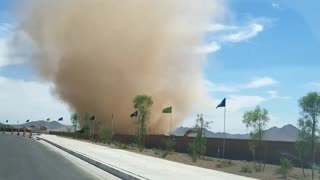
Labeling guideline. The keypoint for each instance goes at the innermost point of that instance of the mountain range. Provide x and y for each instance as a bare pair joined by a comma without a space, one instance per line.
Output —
286,133
51,125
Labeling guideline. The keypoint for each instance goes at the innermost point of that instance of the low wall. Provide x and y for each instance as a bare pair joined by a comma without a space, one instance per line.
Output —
235,149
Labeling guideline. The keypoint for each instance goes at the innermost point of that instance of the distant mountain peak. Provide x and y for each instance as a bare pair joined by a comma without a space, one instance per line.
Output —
285,133
289,126
51,125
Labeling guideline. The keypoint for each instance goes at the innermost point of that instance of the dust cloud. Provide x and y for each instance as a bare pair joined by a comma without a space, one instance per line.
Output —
100,54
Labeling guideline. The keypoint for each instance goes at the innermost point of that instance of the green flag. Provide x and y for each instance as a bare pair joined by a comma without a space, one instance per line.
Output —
167,110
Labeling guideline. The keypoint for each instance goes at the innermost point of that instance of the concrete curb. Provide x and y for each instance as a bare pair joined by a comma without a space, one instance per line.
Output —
120,173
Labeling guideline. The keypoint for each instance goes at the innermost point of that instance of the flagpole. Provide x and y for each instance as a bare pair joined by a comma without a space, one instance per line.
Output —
93,130
170,124
224,132
112,125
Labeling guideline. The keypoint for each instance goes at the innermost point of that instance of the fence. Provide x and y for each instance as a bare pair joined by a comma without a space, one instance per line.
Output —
235,149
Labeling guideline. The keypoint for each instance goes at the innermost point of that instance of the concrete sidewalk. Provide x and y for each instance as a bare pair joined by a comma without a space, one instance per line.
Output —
145,167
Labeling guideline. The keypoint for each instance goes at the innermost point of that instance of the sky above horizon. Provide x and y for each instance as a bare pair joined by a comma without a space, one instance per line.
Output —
262,53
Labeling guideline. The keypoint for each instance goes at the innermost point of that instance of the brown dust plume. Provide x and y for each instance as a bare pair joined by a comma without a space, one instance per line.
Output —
100,54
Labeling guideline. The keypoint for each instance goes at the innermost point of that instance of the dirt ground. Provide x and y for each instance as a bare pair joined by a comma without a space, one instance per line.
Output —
234,168
213,163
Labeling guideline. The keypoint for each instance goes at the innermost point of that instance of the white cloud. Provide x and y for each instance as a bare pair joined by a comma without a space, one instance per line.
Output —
220,27
236,106
222,33
244,34
273,94
212,87
21,100
5,58
210,48
275,5
261,82
6,28
22,51
238,102
254,84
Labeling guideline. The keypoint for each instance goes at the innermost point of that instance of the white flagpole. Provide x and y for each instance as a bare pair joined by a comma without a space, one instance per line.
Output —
170,123
92,130
93,124
112,125
224,132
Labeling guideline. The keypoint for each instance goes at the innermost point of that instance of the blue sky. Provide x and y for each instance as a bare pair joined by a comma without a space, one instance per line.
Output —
283,56
262,53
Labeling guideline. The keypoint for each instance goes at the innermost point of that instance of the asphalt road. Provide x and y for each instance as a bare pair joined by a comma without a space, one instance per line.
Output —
23,158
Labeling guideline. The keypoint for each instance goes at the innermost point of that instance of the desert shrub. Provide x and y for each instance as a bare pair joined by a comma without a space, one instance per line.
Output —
68,129
224,164
156,151
123,146
165,154
207,158
257,168
106,135
192,149
170,145
285,167
246,169
85,130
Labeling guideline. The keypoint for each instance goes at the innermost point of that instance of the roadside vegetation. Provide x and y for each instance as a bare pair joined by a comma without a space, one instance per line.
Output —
306,147
257,121
170,145
308,142
75,120
285,167
142,103
198,146
105,135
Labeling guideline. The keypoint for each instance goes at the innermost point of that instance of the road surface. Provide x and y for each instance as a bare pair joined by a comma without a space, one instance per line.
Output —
23,158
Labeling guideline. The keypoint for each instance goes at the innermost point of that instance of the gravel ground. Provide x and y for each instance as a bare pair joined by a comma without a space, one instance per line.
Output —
211,163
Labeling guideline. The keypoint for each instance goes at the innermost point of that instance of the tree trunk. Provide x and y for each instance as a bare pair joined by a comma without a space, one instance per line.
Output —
254,158
259,147
75,130
142,134
265,157
301,163
200,139
312,146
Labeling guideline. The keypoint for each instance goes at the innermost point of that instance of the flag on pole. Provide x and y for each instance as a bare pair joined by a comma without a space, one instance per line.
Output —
48,119
134,115
27,120
92,118
167,110
222,104
60,119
